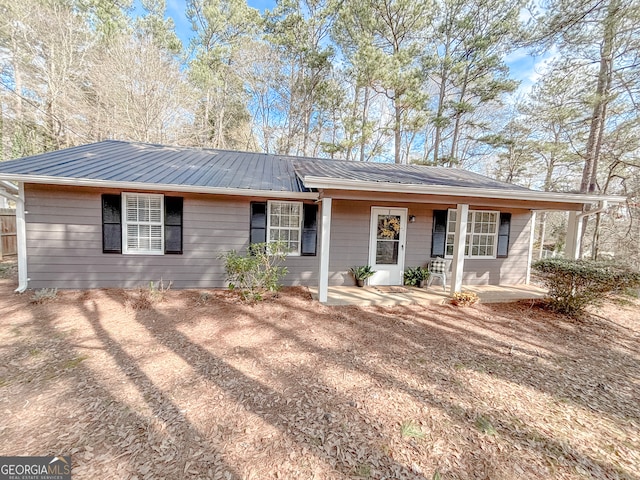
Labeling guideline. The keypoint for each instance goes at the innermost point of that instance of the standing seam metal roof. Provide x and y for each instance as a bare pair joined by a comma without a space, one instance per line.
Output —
401,174
119,161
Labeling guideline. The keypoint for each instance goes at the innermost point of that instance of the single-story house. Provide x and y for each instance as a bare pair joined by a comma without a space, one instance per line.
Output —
123,214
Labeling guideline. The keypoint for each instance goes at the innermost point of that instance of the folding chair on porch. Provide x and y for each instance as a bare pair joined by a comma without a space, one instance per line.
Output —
439,268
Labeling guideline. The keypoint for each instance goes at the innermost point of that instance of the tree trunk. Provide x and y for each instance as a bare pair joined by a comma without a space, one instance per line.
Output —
397,132
456,128
542,233
206,127
440,109
598,117
365,108
1,132
595,249
17,78
53,143
220,143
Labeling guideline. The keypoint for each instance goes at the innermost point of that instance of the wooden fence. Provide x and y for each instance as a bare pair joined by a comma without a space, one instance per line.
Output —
8,240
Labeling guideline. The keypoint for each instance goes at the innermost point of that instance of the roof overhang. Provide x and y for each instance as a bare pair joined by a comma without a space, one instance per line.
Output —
525,195
333,184
83,182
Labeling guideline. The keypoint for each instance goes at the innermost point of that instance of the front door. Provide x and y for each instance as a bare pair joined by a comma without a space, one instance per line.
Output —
386,247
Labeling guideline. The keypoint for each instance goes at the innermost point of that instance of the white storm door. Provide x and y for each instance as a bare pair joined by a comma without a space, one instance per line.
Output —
388,234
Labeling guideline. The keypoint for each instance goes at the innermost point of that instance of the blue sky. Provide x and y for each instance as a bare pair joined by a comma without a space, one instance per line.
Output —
522,65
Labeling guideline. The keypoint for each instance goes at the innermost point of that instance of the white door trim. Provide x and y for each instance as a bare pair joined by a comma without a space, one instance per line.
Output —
387,274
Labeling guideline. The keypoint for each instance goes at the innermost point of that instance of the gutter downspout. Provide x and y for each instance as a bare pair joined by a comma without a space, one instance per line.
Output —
603,206
21,234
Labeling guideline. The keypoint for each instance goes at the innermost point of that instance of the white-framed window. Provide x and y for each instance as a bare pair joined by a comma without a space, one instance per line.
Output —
284,224
143,223
482,233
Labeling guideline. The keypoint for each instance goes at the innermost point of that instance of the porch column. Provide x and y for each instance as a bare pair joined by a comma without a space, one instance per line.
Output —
574,230
532,235
459,241
325,230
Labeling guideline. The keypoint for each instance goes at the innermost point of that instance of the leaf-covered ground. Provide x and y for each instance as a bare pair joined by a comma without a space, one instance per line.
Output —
199,385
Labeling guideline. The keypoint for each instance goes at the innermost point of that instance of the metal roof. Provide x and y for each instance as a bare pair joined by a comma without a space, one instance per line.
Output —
392,173
133,165
130,162
118,161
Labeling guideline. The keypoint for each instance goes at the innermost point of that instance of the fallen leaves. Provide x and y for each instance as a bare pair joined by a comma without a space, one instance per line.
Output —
213,388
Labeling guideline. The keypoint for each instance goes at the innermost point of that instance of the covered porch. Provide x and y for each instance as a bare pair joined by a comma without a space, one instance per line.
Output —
501,273
434,295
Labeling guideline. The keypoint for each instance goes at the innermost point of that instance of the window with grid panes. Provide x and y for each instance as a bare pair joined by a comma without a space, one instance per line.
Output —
482,233
143,229
285,225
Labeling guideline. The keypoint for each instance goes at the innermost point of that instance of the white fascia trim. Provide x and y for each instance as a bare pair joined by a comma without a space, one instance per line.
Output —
245,192
342,184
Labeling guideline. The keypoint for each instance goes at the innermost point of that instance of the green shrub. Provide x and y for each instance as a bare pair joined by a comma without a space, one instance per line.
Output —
414,275
257,272
362,272
576,284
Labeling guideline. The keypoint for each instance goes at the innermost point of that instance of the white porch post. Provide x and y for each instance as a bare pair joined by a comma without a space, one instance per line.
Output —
325,229
574,230
459,241
532,235
21,237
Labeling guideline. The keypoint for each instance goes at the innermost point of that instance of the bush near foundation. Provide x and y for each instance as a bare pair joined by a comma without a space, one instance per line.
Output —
258,271
576,284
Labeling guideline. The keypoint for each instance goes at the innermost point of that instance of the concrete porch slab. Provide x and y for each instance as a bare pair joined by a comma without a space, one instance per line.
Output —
389,296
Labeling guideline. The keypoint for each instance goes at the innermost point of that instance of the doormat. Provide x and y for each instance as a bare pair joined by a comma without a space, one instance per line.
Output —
393,289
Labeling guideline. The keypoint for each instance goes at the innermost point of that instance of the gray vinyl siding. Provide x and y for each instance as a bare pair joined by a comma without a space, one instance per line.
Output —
505,271
350,243
64,243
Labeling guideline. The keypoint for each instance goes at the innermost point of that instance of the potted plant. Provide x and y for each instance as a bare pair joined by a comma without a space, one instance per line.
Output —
416,276
361,273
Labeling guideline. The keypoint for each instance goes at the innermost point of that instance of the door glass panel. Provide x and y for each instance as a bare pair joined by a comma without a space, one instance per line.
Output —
387,239
388,227
387,253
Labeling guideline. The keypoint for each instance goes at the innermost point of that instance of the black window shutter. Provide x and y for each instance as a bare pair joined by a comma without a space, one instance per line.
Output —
503,235
111,223
310,229
439,233
173,225
258,223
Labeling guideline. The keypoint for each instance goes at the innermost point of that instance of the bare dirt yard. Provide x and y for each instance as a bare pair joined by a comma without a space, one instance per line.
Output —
199,385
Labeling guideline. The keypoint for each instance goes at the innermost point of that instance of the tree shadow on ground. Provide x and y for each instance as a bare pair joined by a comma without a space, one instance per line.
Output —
404,331
337,434
107,436
324,391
